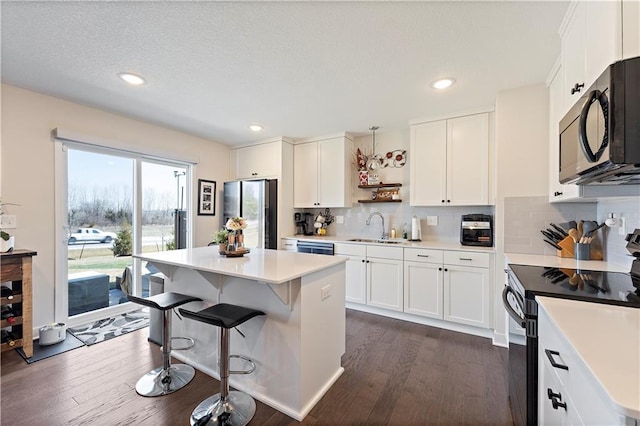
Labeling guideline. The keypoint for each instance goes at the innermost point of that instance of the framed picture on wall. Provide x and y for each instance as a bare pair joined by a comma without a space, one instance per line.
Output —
206,197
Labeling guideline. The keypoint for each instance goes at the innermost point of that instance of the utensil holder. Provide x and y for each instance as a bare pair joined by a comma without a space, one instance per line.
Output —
582,251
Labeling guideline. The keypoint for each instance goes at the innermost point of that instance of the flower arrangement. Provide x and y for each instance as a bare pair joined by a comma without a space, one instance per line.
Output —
236,224
221,236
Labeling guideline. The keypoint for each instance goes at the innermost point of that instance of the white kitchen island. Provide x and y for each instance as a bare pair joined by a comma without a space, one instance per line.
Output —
297,346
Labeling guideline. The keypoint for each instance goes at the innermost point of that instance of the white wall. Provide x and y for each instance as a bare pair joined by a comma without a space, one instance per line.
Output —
522,164
27,173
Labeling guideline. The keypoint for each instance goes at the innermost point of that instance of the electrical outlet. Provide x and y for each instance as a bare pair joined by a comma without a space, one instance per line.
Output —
622,222
432,220
8,221
325,292
339,219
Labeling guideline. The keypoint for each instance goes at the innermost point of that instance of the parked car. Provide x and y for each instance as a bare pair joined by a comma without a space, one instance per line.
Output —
84,235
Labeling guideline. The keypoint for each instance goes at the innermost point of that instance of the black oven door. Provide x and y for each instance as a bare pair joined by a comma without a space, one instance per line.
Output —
520,378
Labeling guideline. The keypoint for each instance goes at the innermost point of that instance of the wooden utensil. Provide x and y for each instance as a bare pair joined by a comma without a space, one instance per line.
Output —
580,229
574,234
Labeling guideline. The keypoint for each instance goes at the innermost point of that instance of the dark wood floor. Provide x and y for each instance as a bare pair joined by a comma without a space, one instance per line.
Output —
396,373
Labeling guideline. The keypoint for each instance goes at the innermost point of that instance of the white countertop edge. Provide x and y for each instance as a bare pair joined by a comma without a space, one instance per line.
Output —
597,346
314,264
563,262
426,244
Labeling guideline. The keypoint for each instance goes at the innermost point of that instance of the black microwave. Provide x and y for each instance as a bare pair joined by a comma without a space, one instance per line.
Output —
600,135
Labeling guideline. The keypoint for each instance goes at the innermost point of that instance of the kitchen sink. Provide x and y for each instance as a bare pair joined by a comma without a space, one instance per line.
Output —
376,241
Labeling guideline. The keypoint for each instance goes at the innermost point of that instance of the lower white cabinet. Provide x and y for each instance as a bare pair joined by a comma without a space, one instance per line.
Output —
568,393
466,295
289,244
373,275
423,282
446,285
384,278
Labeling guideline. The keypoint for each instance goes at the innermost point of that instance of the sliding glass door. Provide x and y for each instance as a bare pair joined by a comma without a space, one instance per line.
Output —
117,204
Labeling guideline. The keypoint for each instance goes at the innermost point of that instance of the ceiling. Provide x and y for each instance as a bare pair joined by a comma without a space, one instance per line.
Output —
300,69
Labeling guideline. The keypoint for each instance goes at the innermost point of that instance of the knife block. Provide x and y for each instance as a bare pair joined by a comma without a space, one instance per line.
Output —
567,247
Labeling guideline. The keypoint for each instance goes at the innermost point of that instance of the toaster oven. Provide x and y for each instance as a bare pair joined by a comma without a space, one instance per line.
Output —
476,230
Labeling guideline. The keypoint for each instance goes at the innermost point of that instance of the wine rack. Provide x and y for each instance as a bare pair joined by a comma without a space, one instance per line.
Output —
15,273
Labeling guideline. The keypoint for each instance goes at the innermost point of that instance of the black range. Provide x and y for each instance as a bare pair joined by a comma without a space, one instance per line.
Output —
613,288
524,283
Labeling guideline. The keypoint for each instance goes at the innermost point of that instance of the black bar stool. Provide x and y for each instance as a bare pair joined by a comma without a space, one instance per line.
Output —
225,408
168,378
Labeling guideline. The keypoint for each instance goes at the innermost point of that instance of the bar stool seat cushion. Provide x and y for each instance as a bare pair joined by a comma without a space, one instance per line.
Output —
223,315
164,301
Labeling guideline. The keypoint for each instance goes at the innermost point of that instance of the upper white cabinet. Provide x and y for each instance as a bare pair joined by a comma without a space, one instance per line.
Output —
257,161
270,159
449,162
557,191
322,175
591,40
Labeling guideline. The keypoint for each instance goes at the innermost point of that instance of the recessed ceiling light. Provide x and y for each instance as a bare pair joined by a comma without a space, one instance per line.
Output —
443,83
133,79
255,127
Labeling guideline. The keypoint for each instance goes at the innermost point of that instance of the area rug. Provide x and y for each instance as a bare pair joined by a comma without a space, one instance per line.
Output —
41,352
108,328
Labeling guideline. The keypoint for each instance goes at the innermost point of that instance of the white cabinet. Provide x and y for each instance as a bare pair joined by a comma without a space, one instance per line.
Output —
289,244
449,162
384,277
423,282
568,393
355,271
322,174
467,288
557,191
257,161
591,40
373,275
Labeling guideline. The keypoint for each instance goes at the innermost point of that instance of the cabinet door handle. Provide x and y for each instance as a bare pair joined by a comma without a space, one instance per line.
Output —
556,400
439,269
446,270
422,255
362,260
576,89
466,258
443,201
550,355
557,193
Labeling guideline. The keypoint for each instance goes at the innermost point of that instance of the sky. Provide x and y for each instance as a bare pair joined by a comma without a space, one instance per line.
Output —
93,171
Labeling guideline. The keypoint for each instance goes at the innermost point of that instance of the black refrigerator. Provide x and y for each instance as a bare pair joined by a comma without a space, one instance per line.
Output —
257,202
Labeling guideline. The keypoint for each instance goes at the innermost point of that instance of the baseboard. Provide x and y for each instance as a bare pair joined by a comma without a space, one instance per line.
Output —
461,328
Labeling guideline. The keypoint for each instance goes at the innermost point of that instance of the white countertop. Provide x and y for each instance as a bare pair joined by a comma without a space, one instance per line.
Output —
563,262
270,266
609,345
427,244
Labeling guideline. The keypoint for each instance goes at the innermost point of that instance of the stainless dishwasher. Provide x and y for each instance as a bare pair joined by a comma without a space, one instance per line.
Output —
315,247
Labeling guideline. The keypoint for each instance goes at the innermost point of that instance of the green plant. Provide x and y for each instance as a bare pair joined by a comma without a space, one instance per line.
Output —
123,245
221,236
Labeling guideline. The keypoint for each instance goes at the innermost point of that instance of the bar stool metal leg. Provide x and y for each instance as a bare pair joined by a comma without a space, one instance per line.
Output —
169,378
230,408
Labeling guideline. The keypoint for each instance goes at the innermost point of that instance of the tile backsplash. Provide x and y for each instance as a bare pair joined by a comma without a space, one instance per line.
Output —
399,214
524,217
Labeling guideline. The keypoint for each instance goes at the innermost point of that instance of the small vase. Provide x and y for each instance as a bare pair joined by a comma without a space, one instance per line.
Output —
7,246
222,248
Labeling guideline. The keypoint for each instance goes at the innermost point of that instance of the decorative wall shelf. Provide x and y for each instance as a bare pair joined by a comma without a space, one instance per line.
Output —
384,194
381,185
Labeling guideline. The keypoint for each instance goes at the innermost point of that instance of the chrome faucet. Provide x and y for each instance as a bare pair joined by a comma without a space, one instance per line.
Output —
385,235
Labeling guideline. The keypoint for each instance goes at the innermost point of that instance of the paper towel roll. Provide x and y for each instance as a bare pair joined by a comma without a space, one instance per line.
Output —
415,226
